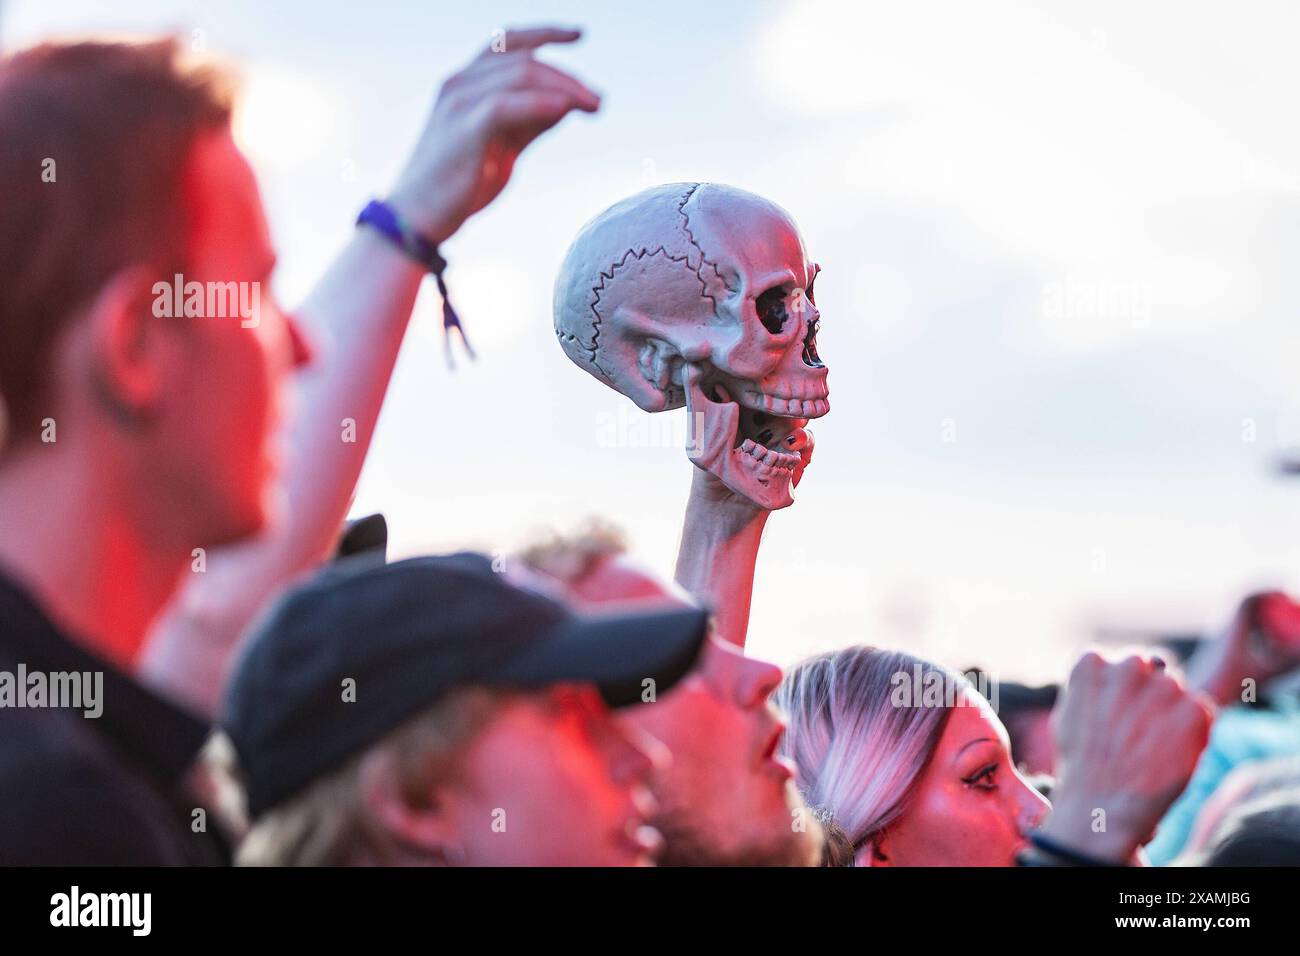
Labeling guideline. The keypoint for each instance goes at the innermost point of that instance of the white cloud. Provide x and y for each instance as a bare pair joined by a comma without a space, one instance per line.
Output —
286,118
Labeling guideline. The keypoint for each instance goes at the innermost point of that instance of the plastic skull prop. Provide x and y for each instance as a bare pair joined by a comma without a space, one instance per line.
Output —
701,295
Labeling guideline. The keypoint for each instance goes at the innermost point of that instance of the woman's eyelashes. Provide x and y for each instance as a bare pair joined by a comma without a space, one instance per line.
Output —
984,779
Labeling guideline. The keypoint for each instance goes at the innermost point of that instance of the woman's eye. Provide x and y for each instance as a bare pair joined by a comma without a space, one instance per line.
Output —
985,779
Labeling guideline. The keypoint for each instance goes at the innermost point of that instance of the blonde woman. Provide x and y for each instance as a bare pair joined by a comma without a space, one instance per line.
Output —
908,765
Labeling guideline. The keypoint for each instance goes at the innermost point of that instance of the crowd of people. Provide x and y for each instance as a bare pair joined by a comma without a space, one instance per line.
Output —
305,701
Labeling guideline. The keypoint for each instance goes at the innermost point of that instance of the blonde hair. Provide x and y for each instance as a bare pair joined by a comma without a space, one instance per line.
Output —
570,558
859,752
330,824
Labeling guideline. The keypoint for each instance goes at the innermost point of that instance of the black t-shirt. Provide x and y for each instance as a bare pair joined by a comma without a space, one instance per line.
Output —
78,790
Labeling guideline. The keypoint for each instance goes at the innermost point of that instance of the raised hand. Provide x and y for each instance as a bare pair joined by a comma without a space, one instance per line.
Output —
1260,643
802,442
485,116
1128,736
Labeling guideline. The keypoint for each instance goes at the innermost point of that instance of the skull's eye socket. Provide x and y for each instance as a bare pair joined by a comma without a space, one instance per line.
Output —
771,309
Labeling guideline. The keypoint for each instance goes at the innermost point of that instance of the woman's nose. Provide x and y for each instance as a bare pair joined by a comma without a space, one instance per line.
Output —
1034,807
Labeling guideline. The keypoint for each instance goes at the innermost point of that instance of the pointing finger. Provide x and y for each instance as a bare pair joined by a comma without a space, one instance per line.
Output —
529,38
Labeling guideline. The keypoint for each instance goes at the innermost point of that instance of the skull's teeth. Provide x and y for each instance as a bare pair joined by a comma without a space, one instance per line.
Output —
794,407
767,457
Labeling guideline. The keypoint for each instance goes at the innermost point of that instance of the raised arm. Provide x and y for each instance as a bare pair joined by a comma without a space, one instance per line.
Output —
484,117
1261,642
722,530
718,553
1129,735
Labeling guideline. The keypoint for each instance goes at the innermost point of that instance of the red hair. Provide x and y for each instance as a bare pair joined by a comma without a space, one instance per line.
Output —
94,138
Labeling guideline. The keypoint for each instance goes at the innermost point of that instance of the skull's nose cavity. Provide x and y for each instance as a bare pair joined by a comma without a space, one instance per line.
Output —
810,356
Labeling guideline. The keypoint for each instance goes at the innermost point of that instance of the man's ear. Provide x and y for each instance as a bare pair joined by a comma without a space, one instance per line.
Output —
873,853
425,829
125,340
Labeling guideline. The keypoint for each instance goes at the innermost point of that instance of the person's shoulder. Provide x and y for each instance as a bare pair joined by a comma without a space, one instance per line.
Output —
69,801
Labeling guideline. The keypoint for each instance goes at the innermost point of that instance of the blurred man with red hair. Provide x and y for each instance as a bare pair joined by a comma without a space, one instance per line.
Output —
134,437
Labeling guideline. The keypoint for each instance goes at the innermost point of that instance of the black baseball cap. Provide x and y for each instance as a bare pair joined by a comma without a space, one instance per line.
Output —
407,633
368,535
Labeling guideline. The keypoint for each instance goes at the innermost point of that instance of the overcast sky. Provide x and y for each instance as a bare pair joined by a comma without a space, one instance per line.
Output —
1058,295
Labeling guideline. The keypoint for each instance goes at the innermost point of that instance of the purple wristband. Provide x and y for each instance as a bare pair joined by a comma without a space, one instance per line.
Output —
386,220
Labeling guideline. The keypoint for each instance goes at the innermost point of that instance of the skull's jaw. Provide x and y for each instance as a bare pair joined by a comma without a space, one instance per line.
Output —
764,476
746,449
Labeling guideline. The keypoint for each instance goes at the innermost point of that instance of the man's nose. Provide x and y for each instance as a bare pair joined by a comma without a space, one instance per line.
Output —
758,679
732,676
